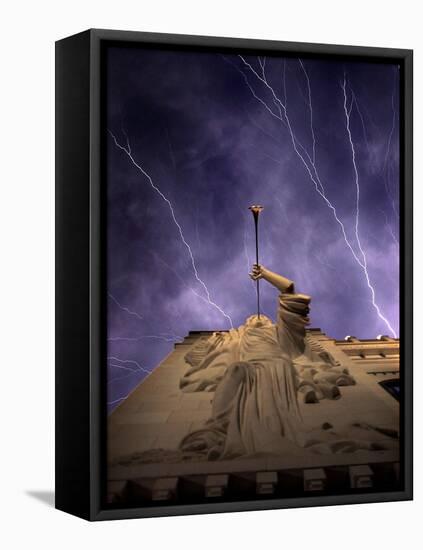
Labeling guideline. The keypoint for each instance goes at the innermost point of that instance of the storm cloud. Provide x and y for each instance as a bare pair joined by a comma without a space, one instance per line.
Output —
213,149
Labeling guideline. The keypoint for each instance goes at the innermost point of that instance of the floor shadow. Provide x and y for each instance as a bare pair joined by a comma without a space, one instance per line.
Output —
46,497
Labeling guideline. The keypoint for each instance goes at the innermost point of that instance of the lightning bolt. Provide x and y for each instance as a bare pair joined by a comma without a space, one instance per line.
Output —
313,176
124,308
356,176
360,114
162,261
124,362
132,371
309,163
313,137
363,125
385,168
127,150
122,367
389,228
117,400
357,211
385,164
116,362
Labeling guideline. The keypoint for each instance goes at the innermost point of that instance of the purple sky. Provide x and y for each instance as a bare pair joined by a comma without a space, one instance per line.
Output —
212,149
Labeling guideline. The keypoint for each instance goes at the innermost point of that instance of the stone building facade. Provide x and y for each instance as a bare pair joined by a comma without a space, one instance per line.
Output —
157,415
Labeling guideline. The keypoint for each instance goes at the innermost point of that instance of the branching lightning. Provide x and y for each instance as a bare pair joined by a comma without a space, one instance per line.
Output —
354,100
118,400
385,164
360,114
389,228
173,270
309,161
124,308
123,362
357,211
127,150
347,112
310,110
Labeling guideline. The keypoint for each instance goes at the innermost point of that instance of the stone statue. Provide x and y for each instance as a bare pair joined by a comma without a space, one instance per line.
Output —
259,372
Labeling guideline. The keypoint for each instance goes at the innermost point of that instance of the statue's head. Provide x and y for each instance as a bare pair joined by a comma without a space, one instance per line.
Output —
254,321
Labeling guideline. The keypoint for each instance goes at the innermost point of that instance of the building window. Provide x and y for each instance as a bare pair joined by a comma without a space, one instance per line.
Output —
392,386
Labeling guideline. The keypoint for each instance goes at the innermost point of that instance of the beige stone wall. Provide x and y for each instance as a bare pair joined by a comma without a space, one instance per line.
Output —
369,362
157,414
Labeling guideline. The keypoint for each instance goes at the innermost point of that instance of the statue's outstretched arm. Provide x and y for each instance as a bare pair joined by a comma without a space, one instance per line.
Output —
278,281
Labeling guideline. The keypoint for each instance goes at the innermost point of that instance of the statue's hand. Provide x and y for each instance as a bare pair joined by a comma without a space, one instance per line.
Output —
281,283
257,272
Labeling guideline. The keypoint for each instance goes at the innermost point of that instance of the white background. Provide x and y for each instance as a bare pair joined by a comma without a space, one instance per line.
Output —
29,29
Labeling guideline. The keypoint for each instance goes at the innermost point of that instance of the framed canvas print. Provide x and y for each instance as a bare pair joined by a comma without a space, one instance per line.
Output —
234,274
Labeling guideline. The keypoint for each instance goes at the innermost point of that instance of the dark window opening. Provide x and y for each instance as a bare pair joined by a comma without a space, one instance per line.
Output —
392,386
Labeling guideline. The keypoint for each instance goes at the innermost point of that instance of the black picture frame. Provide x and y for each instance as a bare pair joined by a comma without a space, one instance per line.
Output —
80,272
